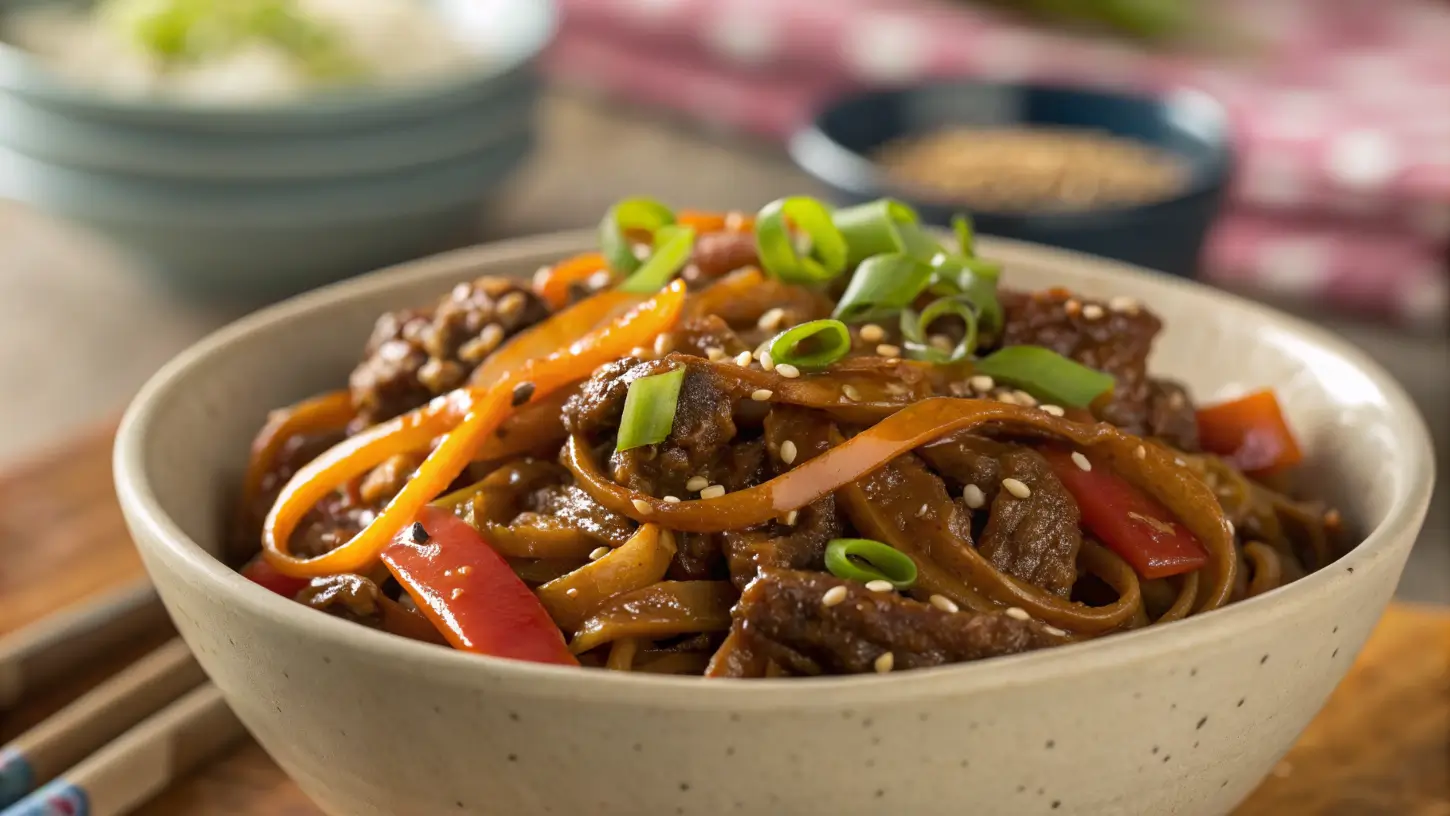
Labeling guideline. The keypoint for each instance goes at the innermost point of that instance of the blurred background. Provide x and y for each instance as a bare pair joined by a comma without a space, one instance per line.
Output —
167,165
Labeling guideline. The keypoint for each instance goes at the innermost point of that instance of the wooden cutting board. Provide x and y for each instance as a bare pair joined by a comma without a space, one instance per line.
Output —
1381,746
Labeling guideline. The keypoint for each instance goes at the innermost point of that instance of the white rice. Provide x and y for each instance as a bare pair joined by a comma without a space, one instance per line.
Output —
397,41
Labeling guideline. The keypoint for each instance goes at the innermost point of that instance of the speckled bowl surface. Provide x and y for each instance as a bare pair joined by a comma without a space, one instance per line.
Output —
1185,718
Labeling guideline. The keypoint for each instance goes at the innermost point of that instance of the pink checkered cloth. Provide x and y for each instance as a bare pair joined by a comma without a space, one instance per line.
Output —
1346,104
1382,251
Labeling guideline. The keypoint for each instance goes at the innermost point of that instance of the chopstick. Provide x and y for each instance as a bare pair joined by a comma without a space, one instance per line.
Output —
98,717
142,762
46,651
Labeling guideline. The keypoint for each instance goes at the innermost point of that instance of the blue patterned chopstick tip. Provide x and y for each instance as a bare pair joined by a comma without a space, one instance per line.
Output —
56,798
16,777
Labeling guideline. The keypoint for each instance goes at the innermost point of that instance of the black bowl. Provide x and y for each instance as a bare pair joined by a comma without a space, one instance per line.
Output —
1165,235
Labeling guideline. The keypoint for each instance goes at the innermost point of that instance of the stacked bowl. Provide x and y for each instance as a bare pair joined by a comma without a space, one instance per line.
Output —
255,202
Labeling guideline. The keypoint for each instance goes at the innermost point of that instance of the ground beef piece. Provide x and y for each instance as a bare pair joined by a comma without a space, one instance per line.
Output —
720,253
1114,341
415,355
697,336
570,506
1035,539
1171,415
347,596
783,614
596,409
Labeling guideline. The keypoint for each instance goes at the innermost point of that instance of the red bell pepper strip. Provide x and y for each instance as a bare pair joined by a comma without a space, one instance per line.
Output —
1130,522
259,572
1250,433
470,593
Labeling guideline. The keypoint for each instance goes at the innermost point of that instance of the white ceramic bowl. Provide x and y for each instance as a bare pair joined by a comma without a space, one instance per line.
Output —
1184,718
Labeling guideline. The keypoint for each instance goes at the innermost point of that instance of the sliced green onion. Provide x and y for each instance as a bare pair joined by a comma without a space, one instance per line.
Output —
1046,375
672,247
883,285
649,409
644,214
861,559
917,327
816,344
974,279
966,234
883,226
774,244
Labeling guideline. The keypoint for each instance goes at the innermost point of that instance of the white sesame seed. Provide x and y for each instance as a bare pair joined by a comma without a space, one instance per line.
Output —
541,275
940,341
982,383
1072,307
640,352
1053,630
1017,488
715,353
641,505
1178,460
1092,311
850,392
897,389
1230,524
885,663
872,333
788,371
944,603
1008,397
787,451
734,221
761,394
888,350
1018,613
1140,452
1024,398
571,592
672,499
697,483
974,497
641,251
791,517
713,492
770,321
598,553
743,359
1081,461
600,279
766,361
880,586
833,596
1055,410
664,344
1124,304
922,511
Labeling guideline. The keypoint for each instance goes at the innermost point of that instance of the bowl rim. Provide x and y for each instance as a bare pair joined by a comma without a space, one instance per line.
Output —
24,75
158,535
815,150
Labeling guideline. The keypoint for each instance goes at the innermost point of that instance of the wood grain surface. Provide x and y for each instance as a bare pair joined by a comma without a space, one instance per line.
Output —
1381,746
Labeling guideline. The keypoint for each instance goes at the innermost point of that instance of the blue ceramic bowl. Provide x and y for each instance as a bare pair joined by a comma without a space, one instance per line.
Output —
257,202
1166,235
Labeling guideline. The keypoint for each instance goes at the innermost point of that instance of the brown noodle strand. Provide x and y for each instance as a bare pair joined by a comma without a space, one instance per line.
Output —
1266,567
1187,594
621,654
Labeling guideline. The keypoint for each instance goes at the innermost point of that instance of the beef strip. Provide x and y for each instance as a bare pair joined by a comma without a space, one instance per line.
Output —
568,506
415,355
784,617
1114,341
696,336
1035,539
720,253
351,597
1171,415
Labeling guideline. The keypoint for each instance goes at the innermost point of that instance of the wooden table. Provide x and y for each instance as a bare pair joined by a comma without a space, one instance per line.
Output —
1382,746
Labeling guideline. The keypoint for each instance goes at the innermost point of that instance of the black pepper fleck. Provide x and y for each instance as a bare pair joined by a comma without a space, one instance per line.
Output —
417,533
523,392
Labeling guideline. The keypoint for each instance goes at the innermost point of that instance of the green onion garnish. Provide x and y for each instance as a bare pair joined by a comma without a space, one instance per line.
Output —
974,279
1046,375
816,344
672,247
915,328
861,559
774,244
883,226
966,234
883,285
649,409
644,214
